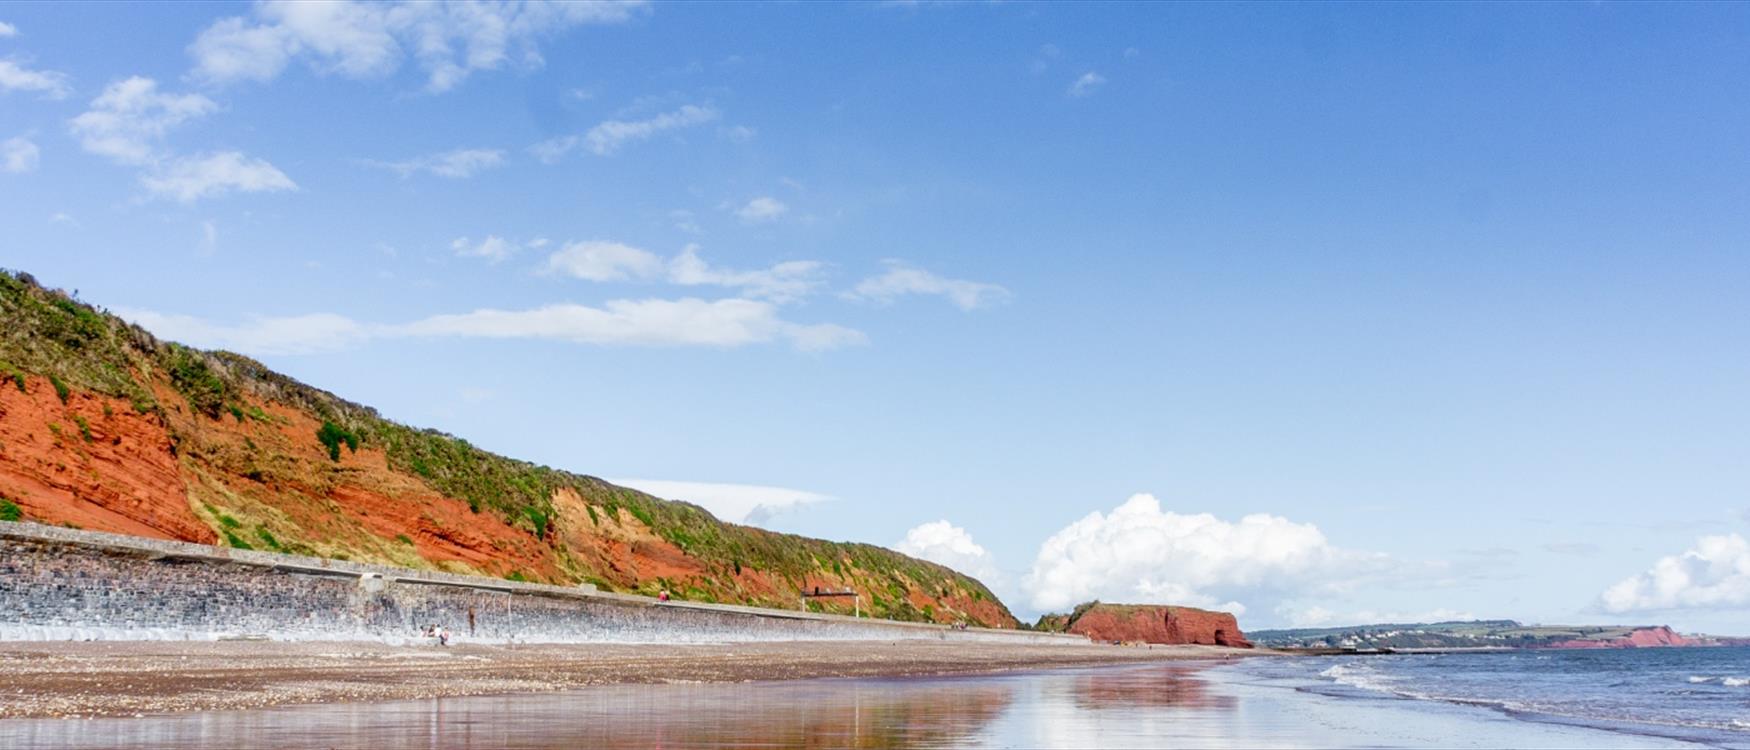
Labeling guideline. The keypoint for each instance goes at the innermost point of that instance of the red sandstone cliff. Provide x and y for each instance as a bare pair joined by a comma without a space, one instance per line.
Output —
1143,623
103,427
1637,638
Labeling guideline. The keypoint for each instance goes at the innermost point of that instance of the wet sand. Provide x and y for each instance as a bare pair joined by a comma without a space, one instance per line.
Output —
84,679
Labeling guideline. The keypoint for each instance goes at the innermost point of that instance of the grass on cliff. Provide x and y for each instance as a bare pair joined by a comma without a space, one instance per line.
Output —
77,347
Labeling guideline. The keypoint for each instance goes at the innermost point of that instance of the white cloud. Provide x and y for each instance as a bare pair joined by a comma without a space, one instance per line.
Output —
946,544
650,322
7,30
901,279
19,155
300,334
604,261
740,133
457,164
209,237
1141,554
448,41
614,261
127,123
1715,573
493,248
1086,85
550,151
189,178
62,217
129,119
609,136
15,77
762,209
750,504
783,282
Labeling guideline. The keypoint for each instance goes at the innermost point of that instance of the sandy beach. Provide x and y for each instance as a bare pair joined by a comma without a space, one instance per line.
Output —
83,679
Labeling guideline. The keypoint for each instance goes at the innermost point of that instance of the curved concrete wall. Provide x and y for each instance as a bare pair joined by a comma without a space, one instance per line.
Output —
58,584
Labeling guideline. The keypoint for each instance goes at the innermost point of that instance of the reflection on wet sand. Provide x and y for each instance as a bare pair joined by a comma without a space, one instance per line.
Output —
804,714
1174,686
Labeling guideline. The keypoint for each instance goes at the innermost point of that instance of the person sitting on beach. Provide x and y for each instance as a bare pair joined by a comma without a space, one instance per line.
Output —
444,636
663,596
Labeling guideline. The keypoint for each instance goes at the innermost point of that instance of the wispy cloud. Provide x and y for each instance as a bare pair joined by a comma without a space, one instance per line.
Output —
614,261
493,248
457,164
723,324
18,155
448,41
751,504
7,30
1086,85
902,280
762,210
14,76
610,136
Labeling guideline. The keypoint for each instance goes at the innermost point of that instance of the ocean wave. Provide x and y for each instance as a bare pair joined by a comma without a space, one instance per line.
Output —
1362,676
1696,679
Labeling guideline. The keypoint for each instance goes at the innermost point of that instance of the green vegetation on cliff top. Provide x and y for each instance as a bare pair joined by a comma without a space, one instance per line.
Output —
51,334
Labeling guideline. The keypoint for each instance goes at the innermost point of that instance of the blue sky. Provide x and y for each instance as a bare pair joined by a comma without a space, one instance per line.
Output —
1434,309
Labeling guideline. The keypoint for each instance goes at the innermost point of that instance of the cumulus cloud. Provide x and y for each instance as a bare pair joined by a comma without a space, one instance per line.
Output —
189,178
1086,85
613,261
761,210
18,155
901,280
127,124
609,136
1714,574
751,504
298,334
457,164
944,543
448,41
603,261
129,120
1140,553
14,76
650,322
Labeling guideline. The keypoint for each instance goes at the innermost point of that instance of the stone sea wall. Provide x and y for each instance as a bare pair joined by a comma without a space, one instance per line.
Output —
60,584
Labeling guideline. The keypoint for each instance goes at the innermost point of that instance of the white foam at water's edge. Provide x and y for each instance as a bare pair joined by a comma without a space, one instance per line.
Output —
1726,681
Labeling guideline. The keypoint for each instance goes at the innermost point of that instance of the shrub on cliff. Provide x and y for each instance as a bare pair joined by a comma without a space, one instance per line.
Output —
9,511
189,372
332,435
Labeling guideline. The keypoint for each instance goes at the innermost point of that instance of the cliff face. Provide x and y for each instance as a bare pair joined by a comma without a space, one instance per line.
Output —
104,427
1143,623
1637,638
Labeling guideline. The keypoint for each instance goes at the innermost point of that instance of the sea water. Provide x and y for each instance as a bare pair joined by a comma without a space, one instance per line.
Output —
1700,694
1640,699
